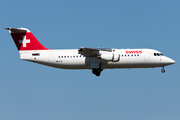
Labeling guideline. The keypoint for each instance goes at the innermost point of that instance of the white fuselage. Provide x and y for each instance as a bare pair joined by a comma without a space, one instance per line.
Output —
73,59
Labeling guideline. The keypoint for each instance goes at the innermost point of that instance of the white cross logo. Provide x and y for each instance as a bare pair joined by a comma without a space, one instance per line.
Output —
24,41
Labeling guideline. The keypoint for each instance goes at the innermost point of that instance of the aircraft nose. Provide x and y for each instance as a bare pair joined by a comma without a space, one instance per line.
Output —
170,61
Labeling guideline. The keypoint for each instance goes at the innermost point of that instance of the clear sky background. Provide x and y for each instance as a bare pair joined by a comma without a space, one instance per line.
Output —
30,91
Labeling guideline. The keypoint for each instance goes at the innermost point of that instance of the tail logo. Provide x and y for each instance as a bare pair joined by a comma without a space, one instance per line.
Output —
24,41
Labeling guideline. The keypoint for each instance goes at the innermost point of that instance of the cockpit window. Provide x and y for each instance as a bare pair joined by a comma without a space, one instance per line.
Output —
161,54
158,54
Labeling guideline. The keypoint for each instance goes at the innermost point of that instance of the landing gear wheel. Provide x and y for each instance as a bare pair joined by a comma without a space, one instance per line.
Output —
97,72
163,70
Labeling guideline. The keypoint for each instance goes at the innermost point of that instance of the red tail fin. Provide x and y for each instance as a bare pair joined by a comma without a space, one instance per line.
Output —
25,40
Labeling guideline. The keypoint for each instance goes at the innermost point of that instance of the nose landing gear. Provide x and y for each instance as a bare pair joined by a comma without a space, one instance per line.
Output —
163,70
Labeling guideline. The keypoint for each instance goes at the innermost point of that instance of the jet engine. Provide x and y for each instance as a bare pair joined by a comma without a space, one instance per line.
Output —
110,57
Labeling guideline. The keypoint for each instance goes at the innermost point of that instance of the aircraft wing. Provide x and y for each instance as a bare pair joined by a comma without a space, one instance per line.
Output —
89,51
94,49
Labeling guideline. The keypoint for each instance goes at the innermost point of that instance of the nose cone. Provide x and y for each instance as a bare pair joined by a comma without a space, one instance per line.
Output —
169,61
172,61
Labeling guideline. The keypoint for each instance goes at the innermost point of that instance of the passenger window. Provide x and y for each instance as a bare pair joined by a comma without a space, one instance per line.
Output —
61,56
64,56
154,54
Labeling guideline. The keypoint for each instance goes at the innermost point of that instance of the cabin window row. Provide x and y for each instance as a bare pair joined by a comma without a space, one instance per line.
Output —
76,56
130,55
81,56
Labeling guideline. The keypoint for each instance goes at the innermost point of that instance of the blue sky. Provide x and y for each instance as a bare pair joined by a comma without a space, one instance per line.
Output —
30,91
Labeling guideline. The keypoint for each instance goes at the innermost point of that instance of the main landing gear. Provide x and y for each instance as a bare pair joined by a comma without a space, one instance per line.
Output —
163,70
97,72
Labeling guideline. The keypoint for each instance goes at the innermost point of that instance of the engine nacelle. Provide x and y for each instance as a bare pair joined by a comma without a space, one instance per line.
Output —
116,57
110,57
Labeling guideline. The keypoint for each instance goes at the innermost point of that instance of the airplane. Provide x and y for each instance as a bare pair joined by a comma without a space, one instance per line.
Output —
96,59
